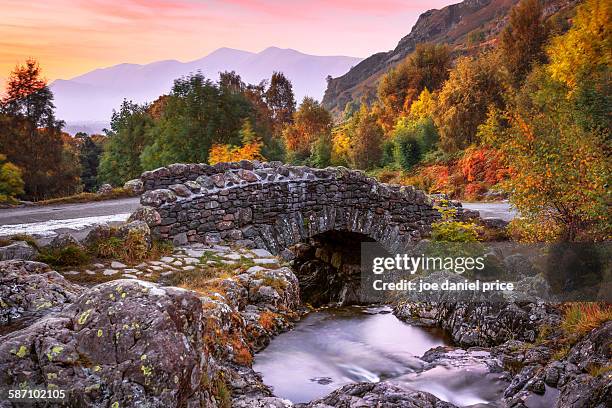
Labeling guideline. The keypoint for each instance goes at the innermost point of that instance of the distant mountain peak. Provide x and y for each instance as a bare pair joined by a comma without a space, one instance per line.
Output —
92,96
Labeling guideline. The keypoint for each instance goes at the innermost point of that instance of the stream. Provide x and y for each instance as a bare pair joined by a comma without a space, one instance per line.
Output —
335,346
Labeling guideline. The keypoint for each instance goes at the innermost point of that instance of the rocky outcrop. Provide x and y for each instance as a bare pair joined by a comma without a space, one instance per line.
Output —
18,250
32,288
373,395
273,206
134,343
482,323
127,343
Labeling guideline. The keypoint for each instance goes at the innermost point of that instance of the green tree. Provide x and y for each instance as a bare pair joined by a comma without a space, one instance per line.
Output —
581,60
474,85
281,100
521,42
126,141
89,159
197,114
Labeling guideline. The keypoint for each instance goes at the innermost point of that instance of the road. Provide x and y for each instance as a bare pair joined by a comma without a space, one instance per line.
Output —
493,210
26,215
45,222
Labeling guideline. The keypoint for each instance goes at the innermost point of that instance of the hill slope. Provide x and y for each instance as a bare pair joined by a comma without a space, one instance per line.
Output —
451,25
92,96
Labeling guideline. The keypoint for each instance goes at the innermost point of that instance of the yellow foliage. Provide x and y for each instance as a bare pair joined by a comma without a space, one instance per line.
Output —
585,46
423,107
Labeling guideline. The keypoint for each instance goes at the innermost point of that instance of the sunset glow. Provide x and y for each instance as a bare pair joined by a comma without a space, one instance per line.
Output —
70,37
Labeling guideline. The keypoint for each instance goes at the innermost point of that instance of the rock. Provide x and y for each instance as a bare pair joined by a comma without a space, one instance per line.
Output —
125,343
105,189
261,253
62,241
18,250
136,228
117,265
98,233
135,186
156,198
518,266
180,190
495,223
180,239
374,395
146,214
109,272
28,288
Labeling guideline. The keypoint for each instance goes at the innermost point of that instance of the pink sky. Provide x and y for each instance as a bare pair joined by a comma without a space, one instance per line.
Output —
70,37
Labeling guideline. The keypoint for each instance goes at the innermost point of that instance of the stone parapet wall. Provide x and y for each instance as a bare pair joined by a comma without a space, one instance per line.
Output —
274,206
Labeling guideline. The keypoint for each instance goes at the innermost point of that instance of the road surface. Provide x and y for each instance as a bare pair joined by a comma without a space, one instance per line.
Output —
25,215
493,210
44,222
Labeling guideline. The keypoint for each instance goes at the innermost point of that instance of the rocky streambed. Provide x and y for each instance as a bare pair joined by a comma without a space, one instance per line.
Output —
129,342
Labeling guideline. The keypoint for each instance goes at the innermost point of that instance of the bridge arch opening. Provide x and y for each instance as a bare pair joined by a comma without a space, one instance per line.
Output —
329,270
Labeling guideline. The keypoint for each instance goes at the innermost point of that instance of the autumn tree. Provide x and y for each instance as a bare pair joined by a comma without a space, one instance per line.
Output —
521,42
474,85
30,135
249,150
366,140
427,67
311,122
580,61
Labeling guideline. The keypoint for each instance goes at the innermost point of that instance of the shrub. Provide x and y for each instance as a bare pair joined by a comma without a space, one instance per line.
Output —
11,182
71,255
450,230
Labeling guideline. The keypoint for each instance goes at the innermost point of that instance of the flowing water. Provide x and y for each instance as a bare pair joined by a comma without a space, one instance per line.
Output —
333,347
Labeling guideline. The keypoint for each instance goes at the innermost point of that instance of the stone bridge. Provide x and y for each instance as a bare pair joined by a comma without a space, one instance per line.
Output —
275,206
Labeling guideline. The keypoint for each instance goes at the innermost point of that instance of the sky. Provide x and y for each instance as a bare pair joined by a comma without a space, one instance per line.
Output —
71,37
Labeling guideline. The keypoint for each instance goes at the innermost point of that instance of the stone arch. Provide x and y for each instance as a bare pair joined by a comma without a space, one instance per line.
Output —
275,206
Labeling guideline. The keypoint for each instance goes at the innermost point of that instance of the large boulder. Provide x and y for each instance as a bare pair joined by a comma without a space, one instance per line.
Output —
18,250
124,343
135,229
32,288
374,395
135,186
146,214
62,241
105,189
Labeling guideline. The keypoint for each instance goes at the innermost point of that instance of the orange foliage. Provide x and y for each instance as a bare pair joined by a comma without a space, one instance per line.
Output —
228,153
467,178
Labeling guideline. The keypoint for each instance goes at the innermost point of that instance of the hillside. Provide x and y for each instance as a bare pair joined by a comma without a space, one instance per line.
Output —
91,97
451,25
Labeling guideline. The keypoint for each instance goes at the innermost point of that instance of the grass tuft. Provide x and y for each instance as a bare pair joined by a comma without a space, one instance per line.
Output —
581,318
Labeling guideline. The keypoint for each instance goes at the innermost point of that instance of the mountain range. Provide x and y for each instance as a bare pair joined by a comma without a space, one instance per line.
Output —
86,102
